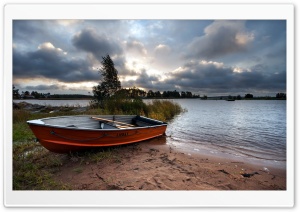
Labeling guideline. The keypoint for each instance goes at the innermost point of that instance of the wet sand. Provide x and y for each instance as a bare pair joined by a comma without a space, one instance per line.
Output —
153,165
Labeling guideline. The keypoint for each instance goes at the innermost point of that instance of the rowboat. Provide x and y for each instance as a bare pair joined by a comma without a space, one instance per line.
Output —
64,134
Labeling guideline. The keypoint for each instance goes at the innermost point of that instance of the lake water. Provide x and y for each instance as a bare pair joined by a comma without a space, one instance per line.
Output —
249,130
254,131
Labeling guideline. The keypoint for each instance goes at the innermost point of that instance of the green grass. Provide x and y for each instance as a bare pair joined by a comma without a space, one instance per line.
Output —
34,167
22,132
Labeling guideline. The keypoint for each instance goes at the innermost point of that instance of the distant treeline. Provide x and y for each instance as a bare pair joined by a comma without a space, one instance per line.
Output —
36,95
139,93
70,96
278,96
136,92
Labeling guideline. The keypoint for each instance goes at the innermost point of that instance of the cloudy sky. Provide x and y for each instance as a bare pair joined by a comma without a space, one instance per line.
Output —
206,57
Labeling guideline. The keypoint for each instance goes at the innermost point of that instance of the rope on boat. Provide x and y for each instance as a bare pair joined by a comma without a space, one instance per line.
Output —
91,139
74,139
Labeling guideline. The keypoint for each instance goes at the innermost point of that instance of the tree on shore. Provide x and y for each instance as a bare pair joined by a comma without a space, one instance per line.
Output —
280,96
171,94
150,94
204,97
16,94
248,96
109,83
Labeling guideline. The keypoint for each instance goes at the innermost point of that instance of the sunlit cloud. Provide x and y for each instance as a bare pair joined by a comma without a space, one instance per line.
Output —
68,22
136,48
49,46
162,49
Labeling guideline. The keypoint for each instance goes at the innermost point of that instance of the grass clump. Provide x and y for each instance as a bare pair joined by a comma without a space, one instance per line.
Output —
33,167
163,110
121,106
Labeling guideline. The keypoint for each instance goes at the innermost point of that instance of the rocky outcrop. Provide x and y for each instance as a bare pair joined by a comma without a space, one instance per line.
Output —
36,108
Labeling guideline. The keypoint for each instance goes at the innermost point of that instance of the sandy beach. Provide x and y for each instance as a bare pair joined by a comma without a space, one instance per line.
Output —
154,165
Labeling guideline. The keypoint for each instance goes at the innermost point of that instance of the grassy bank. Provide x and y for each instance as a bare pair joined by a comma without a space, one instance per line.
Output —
34,166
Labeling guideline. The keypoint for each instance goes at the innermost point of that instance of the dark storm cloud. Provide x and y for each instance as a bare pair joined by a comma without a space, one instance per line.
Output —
215,77
24,30
99,45
29,34
144,80
50,62
43,87
220,38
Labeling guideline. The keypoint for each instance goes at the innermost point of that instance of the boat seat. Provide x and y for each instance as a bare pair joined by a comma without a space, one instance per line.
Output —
111,126
72,126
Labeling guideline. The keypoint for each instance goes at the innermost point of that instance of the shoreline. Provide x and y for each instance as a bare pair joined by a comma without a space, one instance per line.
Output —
281,165
155,165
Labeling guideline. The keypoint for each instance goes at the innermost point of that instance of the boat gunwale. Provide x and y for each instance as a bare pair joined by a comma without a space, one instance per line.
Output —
30,122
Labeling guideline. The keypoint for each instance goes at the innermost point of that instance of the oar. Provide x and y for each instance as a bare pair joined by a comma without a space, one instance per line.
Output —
122,126
117,122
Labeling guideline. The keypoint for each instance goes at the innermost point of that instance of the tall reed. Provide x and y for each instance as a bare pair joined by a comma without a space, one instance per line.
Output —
163,110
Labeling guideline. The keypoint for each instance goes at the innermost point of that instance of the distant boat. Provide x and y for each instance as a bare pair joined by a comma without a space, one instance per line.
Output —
63,134
230,100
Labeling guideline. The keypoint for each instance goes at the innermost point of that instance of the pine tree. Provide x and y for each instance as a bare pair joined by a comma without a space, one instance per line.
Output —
109,83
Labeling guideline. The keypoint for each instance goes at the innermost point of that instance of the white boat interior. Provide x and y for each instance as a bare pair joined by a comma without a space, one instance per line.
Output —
98,122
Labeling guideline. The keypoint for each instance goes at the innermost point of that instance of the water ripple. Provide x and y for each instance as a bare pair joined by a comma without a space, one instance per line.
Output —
254,129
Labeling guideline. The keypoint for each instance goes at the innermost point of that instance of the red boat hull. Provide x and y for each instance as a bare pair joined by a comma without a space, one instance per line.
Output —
63,140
